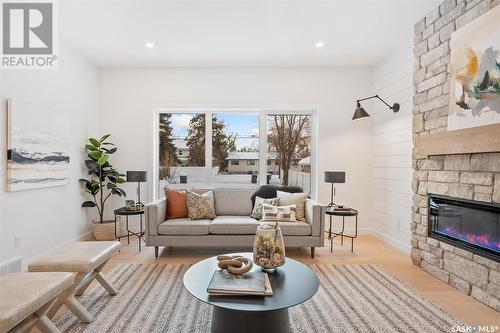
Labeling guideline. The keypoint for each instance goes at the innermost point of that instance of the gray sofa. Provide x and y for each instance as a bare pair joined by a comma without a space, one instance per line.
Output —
233,226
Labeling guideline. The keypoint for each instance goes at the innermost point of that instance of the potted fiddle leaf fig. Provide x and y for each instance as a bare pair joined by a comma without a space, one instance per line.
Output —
103,181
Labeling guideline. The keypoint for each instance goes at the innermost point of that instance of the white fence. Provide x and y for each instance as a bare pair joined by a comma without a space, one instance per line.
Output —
301,179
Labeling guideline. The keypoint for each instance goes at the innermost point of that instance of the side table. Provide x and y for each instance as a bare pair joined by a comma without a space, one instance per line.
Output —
344,214
124,212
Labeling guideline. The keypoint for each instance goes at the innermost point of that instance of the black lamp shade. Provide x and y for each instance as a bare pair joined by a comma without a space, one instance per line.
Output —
334,177
137,176
360,112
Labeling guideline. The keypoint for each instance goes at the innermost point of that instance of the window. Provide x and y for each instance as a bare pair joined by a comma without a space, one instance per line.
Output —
181,152
187,139
289,145
235,137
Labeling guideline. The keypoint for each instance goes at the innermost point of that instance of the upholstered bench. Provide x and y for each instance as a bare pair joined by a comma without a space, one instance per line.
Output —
87,260
26,297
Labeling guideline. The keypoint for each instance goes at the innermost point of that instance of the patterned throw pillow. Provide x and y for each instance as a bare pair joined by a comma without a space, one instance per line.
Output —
200,206
257,209
278,213
297,199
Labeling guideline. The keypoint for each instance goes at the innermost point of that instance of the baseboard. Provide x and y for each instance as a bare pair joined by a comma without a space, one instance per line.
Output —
13,265
392,241
83,237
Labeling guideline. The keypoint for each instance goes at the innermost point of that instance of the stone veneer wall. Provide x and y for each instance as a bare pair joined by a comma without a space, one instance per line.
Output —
469,176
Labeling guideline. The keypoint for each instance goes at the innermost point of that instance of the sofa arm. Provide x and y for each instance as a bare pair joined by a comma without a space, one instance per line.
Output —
315,216
155,215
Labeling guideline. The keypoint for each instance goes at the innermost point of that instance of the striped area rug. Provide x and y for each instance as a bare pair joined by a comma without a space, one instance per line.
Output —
351,298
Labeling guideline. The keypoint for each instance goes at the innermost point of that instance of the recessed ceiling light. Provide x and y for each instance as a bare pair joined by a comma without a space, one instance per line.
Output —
319,44
150,45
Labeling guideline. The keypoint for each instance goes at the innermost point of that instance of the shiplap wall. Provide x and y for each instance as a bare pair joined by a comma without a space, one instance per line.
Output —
391,194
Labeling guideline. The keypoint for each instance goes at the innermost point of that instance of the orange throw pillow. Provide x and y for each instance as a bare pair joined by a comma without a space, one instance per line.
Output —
176,204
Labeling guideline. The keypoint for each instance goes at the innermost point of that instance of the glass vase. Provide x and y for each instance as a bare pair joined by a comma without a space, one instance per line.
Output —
268,248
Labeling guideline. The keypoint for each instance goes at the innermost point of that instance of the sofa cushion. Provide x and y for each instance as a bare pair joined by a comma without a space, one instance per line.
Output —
184,226
233,225
294,228
232,201
176,204
257,209
270,191
272,213
297,199
200,206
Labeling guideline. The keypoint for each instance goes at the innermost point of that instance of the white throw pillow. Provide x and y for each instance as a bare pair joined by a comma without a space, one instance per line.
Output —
297,199
278,213
257,209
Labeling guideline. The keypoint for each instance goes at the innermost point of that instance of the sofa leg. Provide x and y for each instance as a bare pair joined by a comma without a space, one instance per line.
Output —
156,251
312,252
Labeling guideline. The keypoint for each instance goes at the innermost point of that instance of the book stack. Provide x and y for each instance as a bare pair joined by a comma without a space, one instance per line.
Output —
224,283
343,209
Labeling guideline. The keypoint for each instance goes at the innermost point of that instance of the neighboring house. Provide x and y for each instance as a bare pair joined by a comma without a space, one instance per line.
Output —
305,164
245,162
182,150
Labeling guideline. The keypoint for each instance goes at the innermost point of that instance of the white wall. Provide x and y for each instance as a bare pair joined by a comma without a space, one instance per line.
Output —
391,146
129,97
47,218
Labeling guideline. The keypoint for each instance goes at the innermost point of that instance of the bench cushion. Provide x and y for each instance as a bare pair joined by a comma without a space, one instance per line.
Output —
76,257
184,226
21,294
233,225
294,228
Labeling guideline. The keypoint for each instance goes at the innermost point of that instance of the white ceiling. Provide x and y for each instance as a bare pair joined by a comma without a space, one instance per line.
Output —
238,33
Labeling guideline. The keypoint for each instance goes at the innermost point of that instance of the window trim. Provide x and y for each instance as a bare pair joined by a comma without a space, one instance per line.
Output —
262,164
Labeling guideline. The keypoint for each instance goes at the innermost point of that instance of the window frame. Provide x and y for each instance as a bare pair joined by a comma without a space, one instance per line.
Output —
262,162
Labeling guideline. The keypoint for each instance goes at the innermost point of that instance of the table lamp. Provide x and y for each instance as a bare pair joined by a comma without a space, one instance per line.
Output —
334,177
137,177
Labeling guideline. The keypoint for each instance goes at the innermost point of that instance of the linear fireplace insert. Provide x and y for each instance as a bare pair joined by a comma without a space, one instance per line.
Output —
471,225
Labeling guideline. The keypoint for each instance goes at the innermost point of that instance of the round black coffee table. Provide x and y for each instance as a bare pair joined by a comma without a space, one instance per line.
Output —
292,283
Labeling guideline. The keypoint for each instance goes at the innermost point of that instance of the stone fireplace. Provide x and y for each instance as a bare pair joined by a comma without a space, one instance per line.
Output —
472,178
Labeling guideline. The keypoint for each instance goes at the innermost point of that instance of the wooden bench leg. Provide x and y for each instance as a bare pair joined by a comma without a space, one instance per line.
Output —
78,309
100,278
40,319
67,298
46,325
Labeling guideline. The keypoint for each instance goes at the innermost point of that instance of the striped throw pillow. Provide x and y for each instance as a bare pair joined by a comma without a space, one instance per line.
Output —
278,213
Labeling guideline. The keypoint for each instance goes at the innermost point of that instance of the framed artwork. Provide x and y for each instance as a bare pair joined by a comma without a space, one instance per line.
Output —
475,73
37,154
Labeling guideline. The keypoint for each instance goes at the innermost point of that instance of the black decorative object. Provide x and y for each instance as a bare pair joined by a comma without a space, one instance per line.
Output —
334,177
360,112
137,177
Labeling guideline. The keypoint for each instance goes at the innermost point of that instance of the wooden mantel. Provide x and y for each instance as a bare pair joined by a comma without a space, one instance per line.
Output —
483,139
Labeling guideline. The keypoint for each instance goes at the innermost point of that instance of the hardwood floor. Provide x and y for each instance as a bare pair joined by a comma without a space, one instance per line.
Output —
367,250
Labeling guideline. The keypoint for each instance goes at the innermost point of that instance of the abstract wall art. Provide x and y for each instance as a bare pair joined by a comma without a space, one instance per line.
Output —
475,73
37,153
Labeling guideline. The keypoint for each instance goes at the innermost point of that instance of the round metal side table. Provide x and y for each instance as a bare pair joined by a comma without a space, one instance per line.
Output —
124,212
343,214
